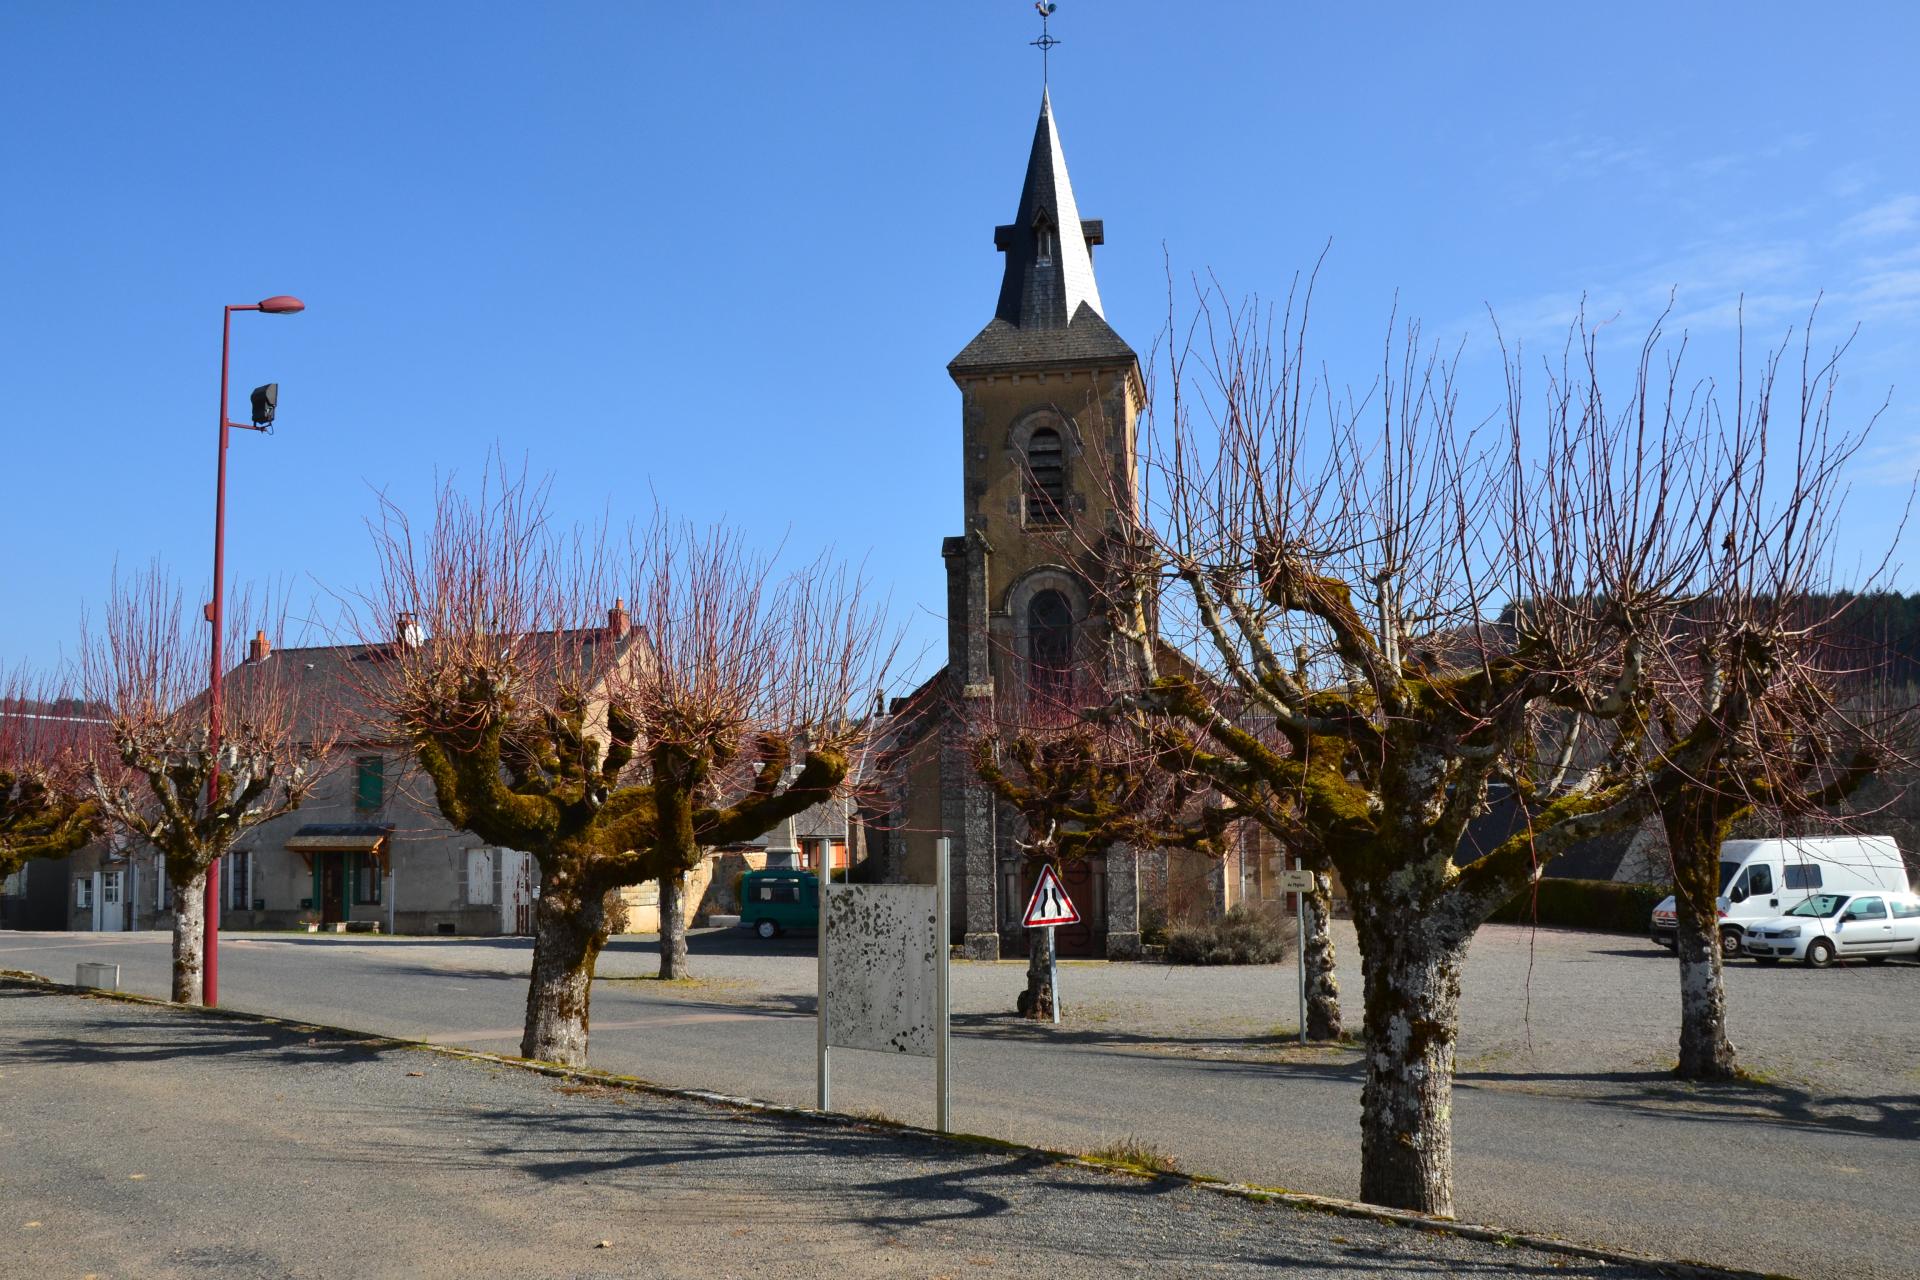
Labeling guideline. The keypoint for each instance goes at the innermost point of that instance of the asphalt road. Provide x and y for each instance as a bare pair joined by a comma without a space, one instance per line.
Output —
328,1156
1787,1175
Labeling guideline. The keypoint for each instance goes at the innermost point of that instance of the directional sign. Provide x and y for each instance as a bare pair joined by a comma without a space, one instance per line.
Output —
1296,882
1050,904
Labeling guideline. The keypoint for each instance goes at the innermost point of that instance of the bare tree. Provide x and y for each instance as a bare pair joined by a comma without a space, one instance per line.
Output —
612,756
45,737
1083,786
158,780
1753,705
1349,569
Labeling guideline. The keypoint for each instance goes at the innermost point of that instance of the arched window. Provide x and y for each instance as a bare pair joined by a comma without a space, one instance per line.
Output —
1050,646
1047,478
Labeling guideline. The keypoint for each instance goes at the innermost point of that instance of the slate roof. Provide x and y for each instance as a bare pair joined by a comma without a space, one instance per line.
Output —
330,684
1049,310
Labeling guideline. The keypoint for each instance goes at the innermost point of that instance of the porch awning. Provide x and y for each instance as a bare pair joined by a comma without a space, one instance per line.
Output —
339,837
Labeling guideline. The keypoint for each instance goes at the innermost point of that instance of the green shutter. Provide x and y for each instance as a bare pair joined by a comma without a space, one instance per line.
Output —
370,779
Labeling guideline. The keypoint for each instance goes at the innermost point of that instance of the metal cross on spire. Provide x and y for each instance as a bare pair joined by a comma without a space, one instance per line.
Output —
1046,41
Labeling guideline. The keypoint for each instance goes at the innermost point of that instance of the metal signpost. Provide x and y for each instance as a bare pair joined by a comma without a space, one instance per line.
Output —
1049,907
1299,884
883,976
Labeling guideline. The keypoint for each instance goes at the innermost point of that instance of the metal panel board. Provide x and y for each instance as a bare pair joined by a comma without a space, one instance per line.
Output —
883,947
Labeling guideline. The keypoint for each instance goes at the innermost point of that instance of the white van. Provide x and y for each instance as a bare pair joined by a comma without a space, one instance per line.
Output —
1761,879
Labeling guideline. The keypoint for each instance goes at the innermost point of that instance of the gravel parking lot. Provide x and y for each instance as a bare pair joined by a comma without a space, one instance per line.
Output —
1547,1009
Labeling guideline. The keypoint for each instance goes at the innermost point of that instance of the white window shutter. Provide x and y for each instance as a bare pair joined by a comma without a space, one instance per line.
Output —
480,877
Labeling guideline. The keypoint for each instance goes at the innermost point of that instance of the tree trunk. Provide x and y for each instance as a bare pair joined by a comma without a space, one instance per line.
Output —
190,940
673,927
567,936
1705,1051
1412,979
1036,1002
1323,987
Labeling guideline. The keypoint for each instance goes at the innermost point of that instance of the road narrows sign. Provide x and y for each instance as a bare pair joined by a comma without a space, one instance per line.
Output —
1050,904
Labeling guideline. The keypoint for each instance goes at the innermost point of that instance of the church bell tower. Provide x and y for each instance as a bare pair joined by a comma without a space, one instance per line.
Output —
1049,398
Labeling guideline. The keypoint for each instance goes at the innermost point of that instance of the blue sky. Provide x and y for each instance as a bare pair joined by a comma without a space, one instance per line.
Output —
723,252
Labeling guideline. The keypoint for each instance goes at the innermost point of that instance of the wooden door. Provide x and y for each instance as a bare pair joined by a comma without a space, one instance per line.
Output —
333,885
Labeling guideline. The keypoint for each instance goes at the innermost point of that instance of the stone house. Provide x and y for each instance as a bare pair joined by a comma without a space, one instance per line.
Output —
368,849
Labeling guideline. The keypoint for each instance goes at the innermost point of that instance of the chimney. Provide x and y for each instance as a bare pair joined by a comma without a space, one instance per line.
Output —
259,649
619,621
407,631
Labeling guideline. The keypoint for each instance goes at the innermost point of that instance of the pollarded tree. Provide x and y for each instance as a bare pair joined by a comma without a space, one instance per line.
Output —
1386,542
1754,705
158,778
1081,788
612,755
45,811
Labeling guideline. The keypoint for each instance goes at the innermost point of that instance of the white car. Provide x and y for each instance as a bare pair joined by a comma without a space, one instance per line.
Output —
1839,926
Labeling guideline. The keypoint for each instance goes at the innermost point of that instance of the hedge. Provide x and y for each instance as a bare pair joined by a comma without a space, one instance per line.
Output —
1603,906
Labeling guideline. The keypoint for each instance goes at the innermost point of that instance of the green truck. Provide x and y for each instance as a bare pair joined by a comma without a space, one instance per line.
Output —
771,902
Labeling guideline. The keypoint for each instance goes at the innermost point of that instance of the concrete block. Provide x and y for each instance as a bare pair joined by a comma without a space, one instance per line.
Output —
103,977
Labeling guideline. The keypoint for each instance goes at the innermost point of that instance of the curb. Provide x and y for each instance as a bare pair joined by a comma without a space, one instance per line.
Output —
1303,1201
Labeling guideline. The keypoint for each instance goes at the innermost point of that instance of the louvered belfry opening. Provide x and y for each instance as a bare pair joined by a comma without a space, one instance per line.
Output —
1047,478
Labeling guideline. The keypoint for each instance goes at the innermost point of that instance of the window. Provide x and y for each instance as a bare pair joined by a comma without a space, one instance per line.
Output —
366,879
813,847
236,880
369,782
1728,870
1044,245
1047,477
1050,645
161,878
1759,880
83,893
1906,908
109,888
1802,875
1866,909
777,891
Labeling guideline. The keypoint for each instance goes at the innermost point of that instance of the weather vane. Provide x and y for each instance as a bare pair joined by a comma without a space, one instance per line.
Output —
1046,41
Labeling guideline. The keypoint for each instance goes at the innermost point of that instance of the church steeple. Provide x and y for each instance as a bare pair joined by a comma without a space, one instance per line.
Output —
1049,308
1049,249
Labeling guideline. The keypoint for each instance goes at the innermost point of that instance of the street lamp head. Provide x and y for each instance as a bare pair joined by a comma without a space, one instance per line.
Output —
282,305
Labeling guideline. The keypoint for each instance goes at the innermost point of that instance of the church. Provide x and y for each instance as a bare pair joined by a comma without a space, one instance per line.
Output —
1049,399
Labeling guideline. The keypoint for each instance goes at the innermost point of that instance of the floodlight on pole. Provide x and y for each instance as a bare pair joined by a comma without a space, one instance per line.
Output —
264,400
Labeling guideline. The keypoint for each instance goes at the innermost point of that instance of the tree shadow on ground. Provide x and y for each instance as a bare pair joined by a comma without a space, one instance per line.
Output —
1659,1093
131,1033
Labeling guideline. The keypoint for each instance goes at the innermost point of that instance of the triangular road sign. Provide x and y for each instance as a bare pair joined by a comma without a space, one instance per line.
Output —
1050,903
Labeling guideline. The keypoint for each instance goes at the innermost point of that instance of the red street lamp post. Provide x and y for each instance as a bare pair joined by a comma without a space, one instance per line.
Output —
263,401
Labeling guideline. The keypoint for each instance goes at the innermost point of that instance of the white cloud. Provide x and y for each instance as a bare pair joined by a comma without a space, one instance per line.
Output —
1896,216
